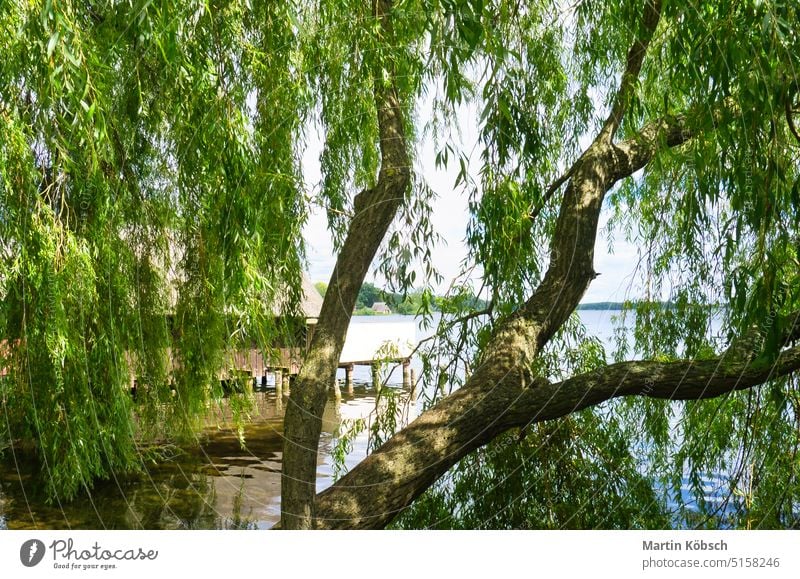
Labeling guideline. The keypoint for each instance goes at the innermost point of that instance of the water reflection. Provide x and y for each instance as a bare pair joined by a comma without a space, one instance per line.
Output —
213,484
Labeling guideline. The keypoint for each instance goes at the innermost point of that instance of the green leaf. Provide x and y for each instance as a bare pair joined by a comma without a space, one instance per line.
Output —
51,44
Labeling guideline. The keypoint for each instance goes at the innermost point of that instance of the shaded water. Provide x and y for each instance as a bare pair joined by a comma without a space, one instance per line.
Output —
213,484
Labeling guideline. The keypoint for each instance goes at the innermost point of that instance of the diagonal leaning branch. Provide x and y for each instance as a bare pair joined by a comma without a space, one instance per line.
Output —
633,66
375,209
679,380
571,268
386,482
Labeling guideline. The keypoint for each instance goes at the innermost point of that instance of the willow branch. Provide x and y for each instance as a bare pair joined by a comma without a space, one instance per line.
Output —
682,380
633,65
630,76
388,480
669,131
571,267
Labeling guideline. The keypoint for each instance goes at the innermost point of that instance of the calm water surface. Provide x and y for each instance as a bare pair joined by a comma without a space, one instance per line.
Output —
213,484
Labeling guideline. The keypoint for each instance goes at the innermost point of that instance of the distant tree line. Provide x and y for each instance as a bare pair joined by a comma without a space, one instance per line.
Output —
661,305
407,304
413,302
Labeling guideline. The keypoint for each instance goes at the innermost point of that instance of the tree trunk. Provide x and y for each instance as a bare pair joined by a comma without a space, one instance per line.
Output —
375,209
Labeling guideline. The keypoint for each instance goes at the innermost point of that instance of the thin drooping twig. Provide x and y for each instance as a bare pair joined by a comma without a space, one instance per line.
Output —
555,186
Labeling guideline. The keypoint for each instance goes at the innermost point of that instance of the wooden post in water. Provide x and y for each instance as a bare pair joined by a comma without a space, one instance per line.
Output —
466,370
376,377
287,382
348,381
413,377
407,373
278,379
337,391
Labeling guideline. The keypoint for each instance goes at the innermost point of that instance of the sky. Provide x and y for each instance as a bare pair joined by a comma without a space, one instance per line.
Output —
450,216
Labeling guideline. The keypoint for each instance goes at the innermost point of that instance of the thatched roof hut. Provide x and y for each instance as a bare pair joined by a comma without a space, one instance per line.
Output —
311,305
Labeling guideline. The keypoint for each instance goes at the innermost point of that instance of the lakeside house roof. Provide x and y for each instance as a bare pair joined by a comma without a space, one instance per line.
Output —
310,302
311,305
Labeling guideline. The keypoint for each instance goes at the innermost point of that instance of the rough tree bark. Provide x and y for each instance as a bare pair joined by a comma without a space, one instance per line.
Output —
374,210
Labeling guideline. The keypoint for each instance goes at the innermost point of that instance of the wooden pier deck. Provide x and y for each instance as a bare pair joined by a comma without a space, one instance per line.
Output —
367,344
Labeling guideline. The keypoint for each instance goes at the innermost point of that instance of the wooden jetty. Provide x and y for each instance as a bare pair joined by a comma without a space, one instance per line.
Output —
367,344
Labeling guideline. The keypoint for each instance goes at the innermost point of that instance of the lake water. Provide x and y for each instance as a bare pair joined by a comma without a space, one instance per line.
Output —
215,483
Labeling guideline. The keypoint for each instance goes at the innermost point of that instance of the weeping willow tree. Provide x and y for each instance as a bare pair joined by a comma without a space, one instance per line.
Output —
151,211
151,208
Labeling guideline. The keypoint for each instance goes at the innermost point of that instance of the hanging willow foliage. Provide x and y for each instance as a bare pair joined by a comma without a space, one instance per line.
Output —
152,204
150,213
